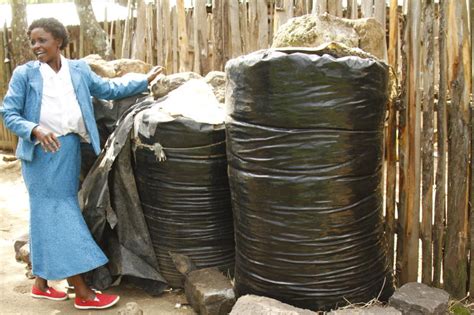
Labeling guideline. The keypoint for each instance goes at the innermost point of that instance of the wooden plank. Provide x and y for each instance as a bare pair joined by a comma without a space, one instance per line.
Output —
427,140
471,217
244,26
234,29
174,35
380,12
166,45
459,80
118,38
201,50
283,12
300,8
403,154
352,9
367,8
182,37
139,39
441,139
334,7
409,271
320,6
160,34
190,31
150,34
3,79
391,144
218,36
126,41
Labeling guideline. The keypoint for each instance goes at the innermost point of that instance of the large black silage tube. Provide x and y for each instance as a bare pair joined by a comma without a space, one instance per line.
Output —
305,154
186,198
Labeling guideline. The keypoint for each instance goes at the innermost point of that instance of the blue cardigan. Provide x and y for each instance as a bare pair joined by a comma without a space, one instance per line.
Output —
22,104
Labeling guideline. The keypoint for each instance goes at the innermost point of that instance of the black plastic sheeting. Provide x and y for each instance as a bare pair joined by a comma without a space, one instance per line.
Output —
111,207
186,198
305,154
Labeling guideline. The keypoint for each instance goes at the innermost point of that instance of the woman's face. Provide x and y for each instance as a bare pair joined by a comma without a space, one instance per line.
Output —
44,45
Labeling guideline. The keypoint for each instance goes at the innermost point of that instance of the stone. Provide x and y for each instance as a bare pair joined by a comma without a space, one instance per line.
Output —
418,298
209,292
371,310
131,308
313,30
259,305
183,263
164,84
19,243
115,68
216,79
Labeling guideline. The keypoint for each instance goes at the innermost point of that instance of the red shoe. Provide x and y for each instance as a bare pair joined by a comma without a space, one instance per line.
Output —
101,301
50,294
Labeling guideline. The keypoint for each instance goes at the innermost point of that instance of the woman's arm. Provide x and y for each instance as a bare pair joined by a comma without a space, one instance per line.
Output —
116,88
14,104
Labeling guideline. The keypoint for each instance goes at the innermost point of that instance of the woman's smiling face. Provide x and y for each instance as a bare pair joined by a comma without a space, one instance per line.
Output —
45,46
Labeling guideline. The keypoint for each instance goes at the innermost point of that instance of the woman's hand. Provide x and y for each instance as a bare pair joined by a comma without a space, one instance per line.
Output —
154,72
49,142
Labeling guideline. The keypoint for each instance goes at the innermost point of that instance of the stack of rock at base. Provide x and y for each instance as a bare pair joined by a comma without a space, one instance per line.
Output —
181,174
305,153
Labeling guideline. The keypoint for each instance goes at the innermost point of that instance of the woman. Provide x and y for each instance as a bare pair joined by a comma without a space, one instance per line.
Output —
48,105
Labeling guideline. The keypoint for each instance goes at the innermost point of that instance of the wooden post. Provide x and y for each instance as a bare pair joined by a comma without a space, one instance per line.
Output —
367,8
391,142
166,46
459,80
283,12
138,51
160,34
174,36
410,270
117,35
201,50
258,25
471,217
182,36
352,9
380,12
427,141
334,7
150,34
320,6
128,30
3,70
218,26
234,28
244,26
441,175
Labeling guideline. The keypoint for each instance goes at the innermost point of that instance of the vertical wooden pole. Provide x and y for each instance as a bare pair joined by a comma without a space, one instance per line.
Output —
150,34
380,12
367,8
459,80
244,26
127,33
234,29
283,12
403,154
217,21
427,140
320,6
390,142
118,38
471,216
3,79
138,51
167,46
441,175
182,36
160,34
174,36
300,7
201,50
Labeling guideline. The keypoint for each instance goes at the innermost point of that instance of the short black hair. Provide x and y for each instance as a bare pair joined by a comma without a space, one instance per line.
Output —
53,26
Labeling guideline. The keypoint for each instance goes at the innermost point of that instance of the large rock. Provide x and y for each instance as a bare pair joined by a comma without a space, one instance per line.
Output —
116,68
209,292
216,79
164,84
371,310
313,30
419,299
131,308
259,305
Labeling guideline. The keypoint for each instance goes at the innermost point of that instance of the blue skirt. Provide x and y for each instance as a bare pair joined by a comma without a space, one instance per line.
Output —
61,244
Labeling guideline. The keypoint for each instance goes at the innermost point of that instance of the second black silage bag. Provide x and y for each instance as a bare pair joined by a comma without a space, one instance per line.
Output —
305,154
181,173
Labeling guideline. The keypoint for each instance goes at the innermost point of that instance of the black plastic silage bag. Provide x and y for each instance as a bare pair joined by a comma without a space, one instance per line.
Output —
185,197
305,154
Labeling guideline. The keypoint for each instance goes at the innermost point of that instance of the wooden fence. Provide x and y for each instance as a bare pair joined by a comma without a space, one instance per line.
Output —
428,131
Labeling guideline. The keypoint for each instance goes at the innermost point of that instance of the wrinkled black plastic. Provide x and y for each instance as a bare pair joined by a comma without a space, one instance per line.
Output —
186,199
304,146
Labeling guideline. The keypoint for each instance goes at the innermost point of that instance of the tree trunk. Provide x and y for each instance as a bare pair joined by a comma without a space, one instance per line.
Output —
93,32
21,51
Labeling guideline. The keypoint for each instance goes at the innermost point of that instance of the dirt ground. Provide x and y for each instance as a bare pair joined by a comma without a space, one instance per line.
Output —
15,286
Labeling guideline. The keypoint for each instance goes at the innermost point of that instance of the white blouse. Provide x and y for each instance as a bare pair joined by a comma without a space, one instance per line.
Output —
60,111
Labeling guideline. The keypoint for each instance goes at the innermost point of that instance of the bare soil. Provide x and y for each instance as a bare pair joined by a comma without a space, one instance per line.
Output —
15,286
